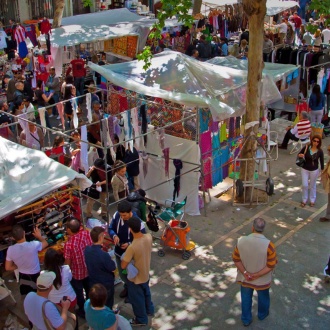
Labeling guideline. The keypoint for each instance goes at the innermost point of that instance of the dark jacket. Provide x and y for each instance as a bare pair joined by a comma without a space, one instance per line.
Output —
120,228
132,161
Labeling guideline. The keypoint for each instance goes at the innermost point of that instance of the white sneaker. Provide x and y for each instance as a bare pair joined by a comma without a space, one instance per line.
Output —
50,116
58,117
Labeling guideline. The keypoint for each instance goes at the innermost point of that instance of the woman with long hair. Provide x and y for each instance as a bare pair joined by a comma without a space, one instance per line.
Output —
54,262
316,104
313,155
119,180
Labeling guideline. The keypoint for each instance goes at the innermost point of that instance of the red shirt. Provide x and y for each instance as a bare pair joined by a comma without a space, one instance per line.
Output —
297,22
74,250
78,68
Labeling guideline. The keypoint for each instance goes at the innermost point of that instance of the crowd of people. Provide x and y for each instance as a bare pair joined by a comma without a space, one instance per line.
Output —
80,281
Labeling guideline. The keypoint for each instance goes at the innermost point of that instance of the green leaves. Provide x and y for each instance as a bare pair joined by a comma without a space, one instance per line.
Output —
170,8
322,6
87,3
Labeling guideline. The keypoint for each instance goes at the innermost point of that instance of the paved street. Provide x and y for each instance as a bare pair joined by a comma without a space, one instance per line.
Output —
201,293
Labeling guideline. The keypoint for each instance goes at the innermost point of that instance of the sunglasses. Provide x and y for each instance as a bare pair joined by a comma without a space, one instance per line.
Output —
318,141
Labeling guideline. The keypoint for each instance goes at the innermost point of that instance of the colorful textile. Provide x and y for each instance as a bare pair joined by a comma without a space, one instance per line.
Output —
30,32
206,144
223,132
22,49
204,118
84,148
207,173
19,34
216,166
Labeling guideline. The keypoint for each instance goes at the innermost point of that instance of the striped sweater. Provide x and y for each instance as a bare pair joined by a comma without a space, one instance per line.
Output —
302,128
255,252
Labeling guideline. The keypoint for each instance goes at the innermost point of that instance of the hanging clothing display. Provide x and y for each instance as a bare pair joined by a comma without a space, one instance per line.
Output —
144,123
166,154
178,167
145,159
30,32
3,41
88,106
216,155
84,148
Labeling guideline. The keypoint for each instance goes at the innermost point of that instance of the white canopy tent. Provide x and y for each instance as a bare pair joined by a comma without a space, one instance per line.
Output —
179,78
27,174
273,6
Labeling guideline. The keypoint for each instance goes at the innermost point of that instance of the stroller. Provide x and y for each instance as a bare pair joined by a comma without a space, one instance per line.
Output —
176,231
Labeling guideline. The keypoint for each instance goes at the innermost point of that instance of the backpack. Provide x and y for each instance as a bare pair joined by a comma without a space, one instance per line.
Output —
135,199
152,222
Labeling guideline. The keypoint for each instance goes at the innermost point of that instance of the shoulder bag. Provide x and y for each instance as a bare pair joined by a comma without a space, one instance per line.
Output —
300,161
70,322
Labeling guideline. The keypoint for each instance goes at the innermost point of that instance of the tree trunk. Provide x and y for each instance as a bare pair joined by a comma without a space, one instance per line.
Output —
256,11
197,7
58,13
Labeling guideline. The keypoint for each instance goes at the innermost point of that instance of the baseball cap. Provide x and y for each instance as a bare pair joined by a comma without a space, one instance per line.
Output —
45,280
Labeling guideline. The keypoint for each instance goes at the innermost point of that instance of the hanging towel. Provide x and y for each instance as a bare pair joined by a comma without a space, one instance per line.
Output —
166,153
161,138
88,106
84,148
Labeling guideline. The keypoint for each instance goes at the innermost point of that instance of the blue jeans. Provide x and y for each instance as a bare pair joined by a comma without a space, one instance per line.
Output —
79,83
263,304
140,297
56,97
79,286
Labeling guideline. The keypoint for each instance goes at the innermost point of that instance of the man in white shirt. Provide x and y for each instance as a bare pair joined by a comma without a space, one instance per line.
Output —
23,256
34,304
282,30
308,38
326,35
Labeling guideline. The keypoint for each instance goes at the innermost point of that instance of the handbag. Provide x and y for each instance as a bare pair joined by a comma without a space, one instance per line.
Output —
300,161
70,322
93,192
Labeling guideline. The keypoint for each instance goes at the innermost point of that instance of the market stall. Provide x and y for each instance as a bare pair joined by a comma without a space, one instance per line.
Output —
199,107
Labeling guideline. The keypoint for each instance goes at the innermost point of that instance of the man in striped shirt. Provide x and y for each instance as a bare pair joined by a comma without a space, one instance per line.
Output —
255,259
300,131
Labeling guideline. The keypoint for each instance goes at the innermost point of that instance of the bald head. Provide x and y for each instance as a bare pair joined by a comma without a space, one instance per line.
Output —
74,226
259,225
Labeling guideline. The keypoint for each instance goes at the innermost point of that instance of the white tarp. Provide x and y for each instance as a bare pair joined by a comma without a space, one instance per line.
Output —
273,6
106,17
71,35
27,174
179,78
185,150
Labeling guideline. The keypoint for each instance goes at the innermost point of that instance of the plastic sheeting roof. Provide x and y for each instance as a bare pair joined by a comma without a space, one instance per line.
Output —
179,78
75,34
27,174
273,6
106,17
276,71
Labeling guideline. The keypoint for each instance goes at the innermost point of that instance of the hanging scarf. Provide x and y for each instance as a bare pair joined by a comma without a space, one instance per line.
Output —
60,109
135,124
144,123
84,148
128,129
166,153
161,138
88,106
74,108
145,162
178,167
42,118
